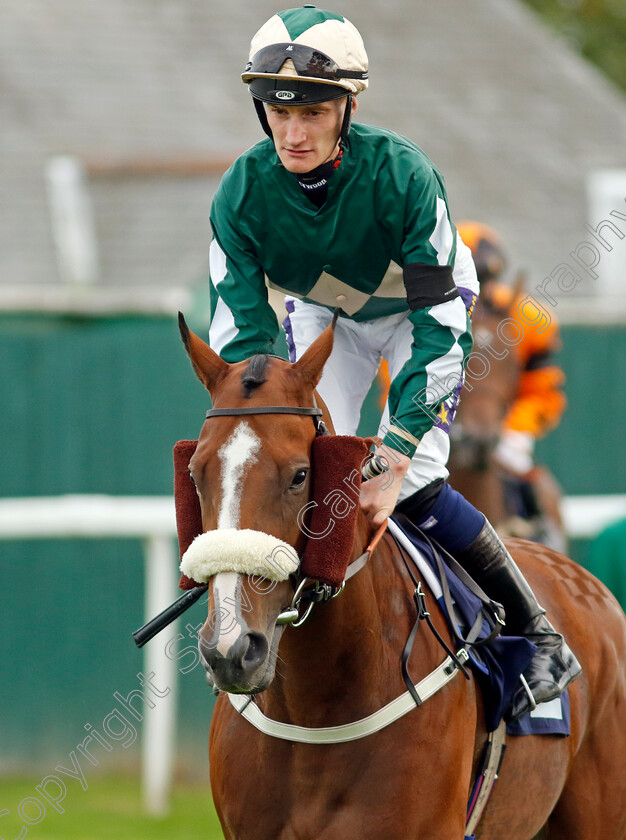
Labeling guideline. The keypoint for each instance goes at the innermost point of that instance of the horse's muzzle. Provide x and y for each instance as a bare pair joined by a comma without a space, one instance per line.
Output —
243,669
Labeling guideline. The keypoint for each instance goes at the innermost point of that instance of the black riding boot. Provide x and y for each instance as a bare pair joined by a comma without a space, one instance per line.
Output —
554,665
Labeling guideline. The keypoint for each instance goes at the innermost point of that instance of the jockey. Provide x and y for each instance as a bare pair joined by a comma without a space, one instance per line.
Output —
341,215
540,400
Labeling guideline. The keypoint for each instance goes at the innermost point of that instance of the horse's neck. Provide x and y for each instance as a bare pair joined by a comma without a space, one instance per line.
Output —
347,651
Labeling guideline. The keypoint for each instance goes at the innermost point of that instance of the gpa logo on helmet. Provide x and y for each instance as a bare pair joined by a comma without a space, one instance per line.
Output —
284,94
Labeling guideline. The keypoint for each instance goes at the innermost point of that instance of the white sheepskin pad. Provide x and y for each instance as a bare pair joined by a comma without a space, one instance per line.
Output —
244,551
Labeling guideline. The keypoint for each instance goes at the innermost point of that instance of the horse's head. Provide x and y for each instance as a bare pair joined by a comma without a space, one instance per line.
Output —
252,475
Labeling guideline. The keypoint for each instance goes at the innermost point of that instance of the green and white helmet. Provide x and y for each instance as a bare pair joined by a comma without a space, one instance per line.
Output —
303,56
306,45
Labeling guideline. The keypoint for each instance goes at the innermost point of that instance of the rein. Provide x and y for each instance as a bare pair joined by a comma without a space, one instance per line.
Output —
321,593
415,695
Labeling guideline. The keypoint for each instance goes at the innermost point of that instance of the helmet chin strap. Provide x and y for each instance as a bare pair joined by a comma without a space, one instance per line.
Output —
260,111
345,123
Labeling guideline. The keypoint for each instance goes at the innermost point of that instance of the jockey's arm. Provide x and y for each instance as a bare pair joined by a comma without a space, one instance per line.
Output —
441,286
430,327
242,320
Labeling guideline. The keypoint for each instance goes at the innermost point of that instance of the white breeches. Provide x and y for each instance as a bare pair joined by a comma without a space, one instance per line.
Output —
348,375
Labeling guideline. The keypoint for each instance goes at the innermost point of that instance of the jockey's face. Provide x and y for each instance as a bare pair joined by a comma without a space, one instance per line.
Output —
306,136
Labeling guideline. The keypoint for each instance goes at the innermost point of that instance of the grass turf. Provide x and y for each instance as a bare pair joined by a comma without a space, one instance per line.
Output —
109,808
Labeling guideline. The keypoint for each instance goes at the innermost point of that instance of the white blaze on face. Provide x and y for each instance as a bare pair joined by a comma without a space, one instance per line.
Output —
236,454
229,623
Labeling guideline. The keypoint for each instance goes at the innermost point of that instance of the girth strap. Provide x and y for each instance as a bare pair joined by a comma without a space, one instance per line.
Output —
487,775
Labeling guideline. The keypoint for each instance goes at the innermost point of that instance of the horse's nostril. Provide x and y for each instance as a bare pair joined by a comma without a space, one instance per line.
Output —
257,649
249,651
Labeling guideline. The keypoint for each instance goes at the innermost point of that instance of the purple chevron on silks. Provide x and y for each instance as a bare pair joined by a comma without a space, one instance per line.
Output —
448,408
468,297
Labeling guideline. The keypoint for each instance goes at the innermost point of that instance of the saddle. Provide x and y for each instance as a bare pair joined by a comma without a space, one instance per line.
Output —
496,661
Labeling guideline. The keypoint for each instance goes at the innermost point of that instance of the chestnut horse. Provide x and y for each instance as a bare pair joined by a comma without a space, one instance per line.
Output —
411,779
491,386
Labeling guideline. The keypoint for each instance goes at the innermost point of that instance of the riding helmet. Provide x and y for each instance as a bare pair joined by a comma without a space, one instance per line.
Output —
303,56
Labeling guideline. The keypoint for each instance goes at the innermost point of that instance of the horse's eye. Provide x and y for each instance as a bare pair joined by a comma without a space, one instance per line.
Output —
299,478
192,479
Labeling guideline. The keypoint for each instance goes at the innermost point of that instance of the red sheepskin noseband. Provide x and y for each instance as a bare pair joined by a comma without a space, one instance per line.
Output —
329,520
336,464
188,513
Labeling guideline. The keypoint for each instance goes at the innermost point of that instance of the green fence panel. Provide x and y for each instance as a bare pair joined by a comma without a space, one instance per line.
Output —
587,452
88,406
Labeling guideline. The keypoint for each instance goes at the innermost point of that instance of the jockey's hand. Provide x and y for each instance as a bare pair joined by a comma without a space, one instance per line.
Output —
380,494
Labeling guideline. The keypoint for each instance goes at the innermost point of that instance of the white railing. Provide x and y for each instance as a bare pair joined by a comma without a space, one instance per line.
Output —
152,519
586,516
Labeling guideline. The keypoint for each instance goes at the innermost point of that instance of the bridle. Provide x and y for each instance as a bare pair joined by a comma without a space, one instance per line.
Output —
307,411
267,409
312,592
305,590
317,593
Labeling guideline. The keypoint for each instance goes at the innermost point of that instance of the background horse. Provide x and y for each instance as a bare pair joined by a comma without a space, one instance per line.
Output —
530,509
412,778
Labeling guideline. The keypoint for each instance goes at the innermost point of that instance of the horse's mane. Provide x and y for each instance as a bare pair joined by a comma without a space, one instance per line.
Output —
254,375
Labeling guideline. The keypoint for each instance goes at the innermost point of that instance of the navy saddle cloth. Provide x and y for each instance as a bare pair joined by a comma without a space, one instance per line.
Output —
497,663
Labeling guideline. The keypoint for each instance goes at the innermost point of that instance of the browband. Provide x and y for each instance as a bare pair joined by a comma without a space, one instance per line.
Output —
265,409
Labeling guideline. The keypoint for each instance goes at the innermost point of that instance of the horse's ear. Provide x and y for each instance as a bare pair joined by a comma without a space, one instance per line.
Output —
311,364
209,367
